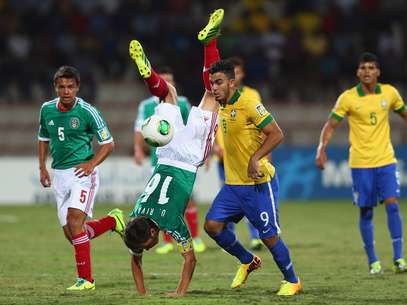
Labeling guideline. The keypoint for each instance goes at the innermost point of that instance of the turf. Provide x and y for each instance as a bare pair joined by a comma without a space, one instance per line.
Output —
36,263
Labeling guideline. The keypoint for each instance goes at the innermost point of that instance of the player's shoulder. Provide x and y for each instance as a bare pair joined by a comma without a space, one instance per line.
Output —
348,94
49,105
250,91
387,88
88,108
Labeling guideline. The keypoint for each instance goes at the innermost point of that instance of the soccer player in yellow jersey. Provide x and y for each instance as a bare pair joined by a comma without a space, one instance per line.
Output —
251,185
371,154
238,64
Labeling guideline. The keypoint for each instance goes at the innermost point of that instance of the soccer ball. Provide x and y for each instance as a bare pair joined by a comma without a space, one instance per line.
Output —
156,131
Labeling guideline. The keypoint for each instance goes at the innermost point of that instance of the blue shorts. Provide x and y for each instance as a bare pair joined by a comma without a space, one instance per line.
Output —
372,183
259,203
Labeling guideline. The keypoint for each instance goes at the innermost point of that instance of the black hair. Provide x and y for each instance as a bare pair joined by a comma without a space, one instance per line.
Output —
137,232
237,61
369,57
67,72
225,66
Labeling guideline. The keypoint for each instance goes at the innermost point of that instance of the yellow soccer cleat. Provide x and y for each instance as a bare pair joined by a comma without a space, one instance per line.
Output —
137,54
164,248
82,284
243,272
289,289
117,214
212,29
375,268
400,266
199,245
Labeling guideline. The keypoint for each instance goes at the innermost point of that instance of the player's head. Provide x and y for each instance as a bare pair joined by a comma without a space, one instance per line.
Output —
66,83
368,68
141,233
167,74
222,78
238,65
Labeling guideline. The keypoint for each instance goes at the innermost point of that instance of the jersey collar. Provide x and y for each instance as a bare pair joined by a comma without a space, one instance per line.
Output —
377,89
235,96
63,110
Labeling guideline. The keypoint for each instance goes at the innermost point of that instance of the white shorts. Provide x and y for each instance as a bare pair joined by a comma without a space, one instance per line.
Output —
73,192
192,143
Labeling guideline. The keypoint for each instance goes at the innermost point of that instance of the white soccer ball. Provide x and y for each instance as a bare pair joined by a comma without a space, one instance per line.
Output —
157,131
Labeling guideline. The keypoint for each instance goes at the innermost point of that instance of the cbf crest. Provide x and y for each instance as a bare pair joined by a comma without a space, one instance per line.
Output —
233,115
74,123
383,103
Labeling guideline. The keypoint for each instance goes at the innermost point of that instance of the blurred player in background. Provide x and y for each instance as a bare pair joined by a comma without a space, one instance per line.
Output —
67,126
238,63
145,110
251,184
371,154
162,205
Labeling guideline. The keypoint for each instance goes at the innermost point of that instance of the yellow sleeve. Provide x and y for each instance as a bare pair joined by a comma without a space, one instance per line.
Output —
397,103
341,108
258,114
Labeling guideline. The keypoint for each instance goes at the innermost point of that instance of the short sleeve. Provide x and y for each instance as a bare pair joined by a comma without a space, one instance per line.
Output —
98,126
397,103
43,134
258,114
341,108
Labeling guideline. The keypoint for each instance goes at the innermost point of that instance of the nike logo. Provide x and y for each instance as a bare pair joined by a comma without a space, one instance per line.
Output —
157,84
265,231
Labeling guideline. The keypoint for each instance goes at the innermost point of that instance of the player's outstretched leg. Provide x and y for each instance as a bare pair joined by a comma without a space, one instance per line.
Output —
156,84
208,36
114,221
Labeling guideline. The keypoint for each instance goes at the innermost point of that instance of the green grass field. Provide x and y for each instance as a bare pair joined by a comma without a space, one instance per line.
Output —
36,263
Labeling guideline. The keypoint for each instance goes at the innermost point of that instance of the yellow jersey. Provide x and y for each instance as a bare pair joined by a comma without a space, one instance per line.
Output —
240,122
369,129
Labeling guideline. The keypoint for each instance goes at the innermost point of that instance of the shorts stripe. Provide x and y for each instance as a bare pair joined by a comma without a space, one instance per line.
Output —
273,205
91,193
209,139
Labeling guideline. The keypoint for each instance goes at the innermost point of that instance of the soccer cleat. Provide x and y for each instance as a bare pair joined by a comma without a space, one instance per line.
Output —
82,284
199,245
117,214
243,272
256,244
400,266
212,29
164,248
138,56
289,289
375,268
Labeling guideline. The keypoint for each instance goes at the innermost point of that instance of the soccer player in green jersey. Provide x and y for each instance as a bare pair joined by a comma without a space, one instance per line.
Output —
67,126
371,154
162,205
146,109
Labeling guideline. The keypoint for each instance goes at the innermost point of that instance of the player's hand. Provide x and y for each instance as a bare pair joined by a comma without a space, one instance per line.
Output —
321,158
218,151
253,170
44,178
139,156
84,169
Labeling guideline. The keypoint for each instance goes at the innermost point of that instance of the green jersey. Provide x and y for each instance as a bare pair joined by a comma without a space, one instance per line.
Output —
70,133
164,200
147,108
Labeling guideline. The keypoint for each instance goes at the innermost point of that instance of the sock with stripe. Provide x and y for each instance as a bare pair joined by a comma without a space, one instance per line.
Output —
191,216
228,241
366,228
211,55
395,225
282,258
157,85
94,228
81,245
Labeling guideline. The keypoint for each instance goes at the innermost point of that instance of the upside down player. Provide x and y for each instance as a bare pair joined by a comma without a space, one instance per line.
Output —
162,204
251,185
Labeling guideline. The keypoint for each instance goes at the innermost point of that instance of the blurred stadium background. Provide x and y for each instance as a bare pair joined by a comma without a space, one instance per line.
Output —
299,54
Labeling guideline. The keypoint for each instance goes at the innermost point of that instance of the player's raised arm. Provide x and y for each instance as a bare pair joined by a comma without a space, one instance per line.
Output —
326,135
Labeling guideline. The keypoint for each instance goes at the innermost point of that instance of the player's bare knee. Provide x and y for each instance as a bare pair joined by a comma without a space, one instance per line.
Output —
390,200
269,242
213,228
